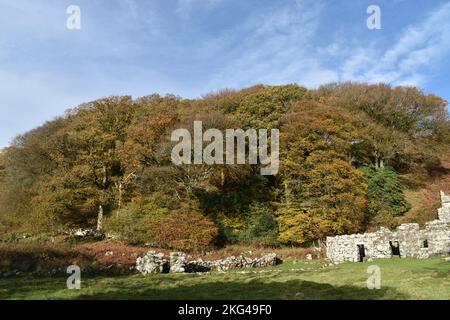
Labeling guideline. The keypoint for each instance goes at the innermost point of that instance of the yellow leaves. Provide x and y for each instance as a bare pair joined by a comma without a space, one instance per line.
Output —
299,226
234,222
317,167
266,107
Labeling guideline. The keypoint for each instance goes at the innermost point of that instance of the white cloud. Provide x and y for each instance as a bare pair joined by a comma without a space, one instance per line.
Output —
278,48
138,48
275,47
418,49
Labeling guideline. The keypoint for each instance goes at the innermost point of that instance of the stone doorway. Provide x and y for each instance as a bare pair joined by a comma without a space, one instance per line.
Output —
395,248
361,252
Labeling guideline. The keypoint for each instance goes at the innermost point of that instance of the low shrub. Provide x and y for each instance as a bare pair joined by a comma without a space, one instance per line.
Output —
132,223
184,229
263,229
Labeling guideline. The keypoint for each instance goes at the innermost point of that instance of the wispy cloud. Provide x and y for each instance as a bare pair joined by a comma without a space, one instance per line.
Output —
191,47
278,47
273,47
412,58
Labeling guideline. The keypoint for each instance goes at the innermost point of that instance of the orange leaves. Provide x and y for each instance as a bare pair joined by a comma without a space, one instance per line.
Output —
184,229
326,194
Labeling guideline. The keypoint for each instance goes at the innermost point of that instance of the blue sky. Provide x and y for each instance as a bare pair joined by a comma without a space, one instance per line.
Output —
192,47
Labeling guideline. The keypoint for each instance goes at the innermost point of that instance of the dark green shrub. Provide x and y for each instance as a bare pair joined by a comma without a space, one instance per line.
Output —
263,228
384,193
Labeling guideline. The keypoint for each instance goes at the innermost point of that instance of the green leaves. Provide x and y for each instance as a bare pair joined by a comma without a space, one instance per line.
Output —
265,108
114,152
385,194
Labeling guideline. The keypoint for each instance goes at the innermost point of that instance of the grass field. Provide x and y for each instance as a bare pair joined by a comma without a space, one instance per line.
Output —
400,279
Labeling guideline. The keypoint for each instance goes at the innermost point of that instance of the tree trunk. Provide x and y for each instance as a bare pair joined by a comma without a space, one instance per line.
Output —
119,202
379,160
287,192
102,198
100,218
379,163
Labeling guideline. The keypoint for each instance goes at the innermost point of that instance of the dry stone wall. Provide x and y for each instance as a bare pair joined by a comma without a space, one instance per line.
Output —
177,262
444,211
407,241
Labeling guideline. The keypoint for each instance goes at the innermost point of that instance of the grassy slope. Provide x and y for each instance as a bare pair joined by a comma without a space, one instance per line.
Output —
425,200
401,279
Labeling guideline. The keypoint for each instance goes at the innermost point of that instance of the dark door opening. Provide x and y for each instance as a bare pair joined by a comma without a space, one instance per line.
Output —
425,243
361,252
395,248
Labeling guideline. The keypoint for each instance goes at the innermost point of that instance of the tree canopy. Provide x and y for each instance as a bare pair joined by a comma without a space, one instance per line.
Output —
347,151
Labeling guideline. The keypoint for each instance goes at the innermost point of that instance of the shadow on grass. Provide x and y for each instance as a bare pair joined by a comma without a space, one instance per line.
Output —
254,289
35,258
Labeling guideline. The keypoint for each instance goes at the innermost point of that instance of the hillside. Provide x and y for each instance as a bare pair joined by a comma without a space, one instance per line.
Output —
352,157
425,200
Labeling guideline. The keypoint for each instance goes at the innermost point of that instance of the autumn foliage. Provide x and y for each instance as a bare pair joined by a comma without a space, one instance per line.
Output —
183,229
348,154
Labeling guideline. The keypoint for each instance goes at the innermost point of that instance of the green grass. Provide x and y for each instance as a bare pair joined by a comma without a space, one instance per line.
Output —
400,279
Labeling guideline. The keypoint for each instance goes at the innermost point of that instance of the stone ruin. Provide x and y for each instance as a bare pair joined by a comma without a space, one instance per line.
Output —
177,262
407,241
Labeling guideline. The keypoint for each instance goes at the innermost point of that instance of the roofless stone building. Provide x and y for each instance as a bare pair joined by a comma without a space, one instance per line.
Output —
407,241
